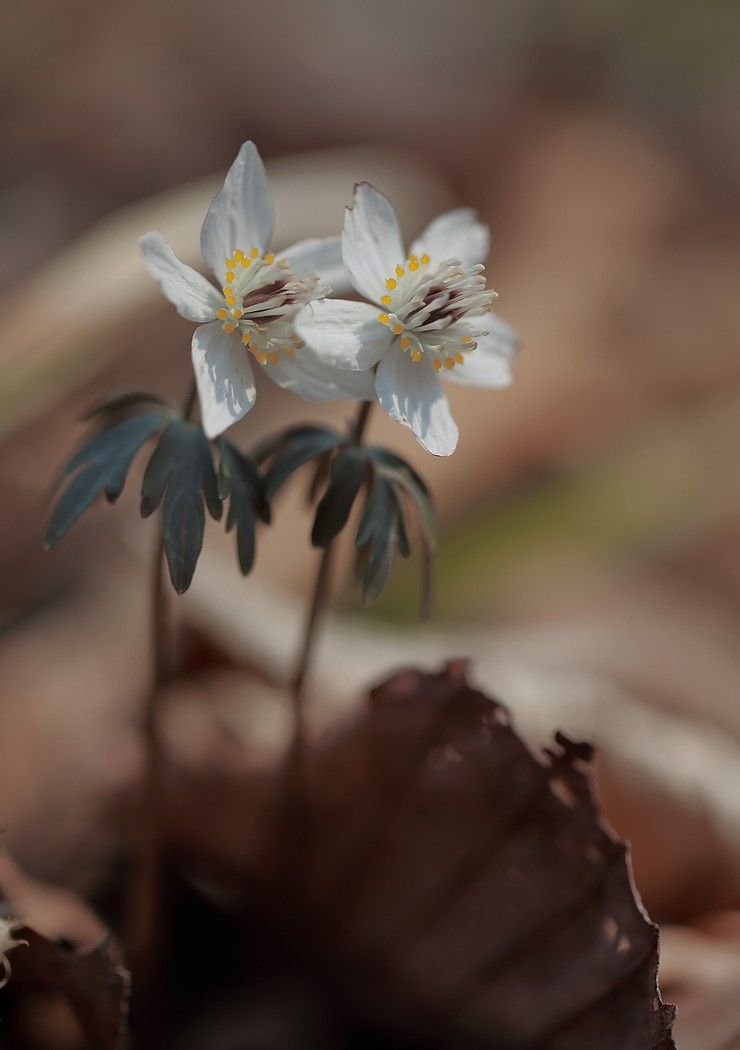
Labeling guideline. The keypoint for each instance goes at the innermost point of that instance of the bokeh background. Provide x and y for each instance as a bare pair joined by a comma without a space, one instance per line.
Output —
589,559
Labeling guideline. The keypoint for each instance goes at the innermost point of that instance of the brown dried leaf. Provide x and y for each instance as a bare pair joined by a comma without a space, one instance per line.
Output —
73,956
469,892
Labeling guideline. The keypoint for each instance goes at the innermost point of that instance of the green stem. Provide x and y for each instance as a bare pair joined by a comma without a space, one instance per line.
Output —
319,597
146,896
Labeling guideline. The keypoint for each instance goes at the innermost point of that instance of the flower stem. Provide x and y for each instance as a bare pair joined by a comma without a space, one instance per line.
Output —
145,932
294,823
320,595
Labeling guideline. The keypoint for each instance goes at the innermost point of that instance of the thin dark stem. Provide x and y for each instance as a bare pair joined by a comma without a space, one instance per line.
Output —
320,594
146,896
295,825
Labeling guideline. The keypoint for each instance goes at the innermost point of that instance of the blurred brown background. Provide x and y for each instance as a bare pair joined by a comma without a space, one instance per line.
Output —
589,558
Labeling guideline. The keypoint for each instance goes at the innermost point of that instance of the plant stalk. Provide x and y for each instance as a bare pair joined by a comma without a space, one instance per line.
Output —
146,931
319,598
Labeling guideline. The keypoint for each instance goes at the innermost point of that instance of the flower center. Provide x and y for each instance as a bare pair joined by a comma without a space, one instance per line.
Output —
261,296
431,309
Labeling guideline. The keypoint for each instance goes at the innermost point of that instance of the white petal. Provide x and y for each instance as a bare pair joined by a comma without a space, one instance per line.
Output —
455,235
371,241
411,393
344,334
311,378
321,255
489,365
190,293
242,215
224,378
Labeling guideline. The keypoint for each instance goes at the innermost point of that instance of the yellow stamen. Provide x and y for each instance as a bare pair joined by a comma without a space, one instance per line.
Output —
221,314
255,252
425,259
416,356
229,265
230,300
261,356
245,261
449,362
236,312
273,357
400,271
384,318
230,275
269,258
238,254
245,338
467,339
391,283
229,327
459,358
413,265
397,329
437,364
386,300
227,289
405,343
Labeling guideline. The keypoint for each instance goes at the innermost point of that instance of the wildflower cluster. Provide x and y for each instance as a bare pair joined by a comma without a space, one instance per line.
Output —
425,315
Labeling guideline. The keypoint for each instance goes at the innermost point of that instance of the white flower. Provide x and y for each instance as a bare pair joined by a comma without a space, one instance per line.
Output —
8,942
432,315
251,312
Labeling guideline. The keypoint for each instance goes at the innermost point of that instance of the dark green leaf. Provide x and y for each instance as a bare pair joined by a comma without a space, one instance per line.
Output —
398,470
239,482
348,472
377,531
267,448
180,476
128,404
102,463
299,449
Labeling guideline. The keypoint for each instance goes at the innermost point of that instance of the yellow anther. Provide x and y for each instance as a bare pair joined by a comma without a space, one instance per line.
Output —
273,357
230,300
449,362
238,254
269,258
459,358
236,312
437,364
255,252
221,313
245,338
384,318
416,356
397,329
405,343
230,275
386,300
425,259
261,356
227,289
288,351
391,283
400,271
467,339
413,265
245,261
229,265
229,327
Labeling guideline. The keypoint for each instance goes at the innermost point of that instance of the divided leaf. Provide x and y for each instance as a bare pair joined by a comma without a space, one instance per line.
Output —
181,477
239,482
102,464
348,471
378,534
293,449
